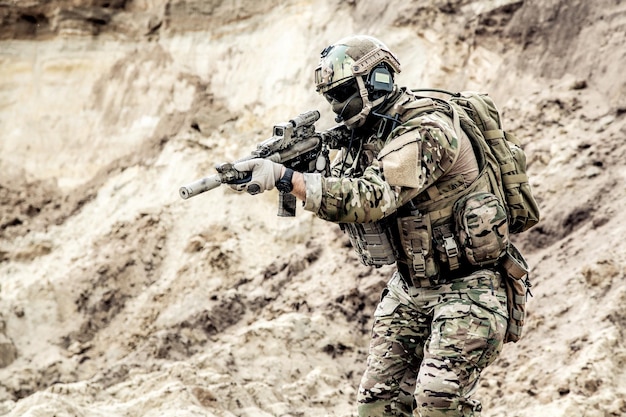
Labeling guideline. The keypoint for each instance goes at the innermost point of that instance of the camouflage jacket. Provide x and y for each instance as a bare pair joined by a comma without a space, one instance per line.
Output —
418,153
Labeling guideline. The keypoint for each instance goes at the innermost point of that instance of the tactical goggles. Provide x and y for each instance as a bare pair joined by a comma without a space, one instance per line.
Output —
342,92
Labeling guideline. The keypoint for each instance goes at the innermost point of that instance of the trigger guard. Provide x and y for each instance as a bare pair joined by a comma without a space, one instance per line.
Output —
246,178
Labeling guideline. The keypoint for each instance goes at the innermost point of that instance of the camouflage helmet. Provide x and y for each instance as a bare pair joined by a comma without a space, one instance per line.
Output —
366,66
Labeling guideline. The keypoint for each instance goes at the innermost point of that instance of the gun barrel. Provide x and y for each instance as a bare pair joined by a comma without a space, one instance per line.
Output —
200,186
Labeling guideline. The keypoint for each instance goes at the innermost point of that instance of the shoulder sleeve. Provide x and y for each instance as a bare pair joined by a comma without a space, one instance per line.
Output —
367,198
420,151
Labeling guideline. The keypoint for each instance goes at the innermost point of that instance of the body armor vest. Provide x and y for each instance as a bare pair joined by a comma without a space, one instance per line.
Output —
421,237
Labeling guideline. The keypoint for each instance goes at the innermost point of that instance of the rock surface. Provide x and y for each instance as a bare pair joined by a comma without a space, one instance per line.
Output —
117,298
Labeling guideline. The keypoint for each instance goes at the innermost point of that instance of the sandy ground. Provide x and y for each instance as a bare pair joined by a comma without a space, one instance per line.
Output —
117,298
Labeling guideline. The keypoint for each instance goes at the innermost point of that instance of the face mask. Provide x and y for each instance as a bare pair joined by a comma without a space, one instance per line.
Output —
348,108
345,100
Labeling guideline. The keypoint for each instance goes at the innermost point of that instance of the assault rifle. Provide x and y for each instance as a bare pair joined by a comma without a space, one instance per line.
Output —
294,144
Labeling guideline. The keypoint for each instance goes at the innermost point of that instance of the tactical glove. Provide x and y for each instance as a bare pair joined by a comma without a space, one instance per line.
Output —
264,173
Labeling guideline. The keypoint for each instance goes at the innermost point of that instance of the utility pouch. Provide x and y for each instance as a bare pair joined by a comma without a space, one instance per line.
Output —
372,242
517,290
482,227
416,239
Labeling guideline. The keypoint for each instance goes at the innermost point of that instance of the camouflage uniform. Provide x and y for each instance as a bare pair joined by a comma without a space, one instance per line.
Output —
440,323
439,337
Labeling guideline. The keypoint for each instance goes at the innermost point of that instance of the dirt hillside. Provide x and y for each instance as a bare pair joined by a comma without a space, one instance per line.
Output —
118,298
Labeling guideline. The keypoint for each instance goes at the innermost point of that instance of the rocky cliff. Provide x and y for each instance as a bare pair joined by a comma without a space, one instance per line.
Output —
117,298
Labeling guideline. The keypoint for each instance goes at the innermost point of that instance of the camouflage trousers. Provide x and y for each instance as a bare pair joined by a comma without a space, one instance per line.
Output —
429,346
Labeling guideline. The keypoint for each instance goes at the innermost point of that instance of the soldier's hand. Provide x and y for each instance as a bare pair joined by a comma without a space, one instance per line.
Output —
264,175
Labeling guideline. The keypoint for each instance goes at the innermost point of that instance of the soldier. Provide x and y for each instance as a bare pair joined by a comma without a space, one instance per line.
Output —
442,319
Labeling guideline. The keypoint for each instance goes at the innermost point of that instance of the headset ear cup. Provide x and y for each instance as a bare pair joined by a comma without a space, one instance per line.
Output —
380,81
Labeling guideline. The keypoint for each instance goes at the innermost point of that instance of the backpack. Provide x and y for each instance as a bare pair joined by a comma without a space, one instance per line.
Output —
480,120
522,209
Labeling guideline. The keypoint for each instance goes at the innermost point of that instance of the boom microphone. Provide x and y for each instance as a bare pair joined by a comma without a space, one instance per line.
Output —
339,117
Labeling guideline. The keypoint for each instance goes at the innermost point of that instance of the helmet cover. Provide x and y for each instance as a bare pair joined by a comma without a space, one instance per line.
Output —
349,57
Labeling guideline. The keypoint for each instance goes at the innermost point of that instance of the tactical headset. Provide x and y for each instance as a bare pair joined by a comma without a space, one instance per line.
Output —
379,82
